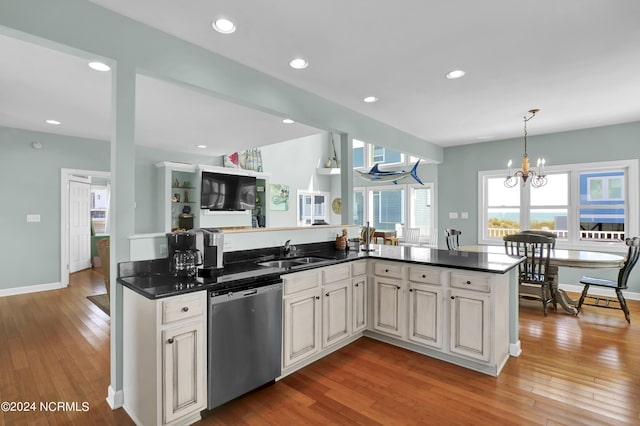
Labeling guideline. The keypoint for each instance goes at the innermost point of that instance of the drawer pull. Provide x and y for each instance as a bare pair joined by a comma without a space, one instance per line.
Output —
424,276
170,341
397,287
185,309
317,297
411,290
468,282
452,298
326,294
386,270
357,284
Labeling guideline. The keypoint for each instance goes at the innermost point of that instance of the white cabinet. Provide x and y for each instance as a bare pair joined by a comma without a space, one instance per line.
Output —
302,317
389,304
182,367
470,324
425,306
425,314
164,358
359,296
336,312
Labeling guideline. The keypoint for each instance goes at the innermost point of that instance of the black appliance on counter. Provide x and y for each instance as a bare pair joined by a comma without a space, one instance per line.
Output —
184,257
210,242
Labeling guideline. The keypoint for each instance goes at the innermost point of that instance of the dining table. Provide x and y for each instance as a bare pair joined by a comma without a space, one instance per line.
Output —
565,258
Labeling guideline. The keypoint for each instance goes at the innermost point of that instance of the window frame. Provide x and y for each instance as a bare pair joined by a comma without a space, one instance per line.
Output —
631,187
313,194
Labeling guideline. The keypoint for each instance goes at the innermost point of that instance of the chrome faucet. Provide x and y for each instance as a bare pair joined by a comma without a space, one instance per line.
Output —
286,249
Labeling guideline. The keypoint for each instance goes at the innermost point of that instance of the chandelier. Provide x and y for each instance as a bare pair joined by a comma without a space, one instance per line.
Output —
537,178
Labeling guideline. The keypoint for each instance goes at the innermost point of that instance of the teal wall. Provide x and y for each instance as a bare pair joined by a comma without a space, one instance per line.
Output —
30,184
458,174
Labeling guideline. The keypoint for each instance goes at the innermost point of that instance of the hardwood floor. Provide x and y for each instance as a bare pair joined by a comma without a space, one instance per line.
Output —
54,346
573,370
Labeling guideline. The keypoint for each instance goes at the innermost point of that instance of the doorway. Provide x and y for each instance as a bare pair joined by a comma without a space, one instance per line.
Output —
70,181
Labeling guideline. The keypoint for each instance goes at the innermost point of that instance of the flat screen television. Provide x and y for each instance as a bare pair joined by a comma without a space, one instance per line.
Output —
220,191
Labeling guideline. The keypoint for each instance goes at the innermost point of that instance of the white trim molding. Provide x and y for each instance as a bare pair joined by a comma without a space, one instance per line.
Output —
30,289
115,399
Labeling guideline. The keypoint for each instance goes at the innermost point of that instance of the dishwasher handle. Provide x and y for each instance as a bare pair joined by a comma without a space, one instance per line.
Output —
245,293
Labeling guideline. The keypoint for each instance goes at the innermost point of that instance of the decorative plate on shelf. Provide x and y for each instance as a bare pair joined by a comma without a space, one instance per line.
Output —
336,205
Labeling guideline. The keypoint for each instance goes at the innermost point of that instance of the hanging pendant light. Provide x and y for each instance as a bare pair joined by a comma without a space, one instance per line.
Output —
535,178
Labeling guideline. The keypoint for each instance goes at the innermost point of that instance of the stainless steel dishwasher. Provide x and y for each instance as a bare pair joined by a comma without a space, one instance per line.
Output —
245,340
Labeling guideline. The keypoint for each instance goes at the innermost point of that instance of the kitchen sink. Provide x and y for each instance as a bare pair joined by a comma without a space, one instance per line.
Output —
296,261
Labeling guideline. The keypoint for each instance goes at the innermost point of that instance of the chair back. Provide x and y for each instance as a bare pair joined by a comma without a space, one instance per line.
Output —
363,235
411,235
453,238
543,233
629,262
536,249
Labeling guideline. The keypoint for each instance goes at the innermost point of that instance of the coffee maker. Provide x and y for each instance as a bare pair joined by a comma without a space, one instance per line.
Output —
210,242
184,256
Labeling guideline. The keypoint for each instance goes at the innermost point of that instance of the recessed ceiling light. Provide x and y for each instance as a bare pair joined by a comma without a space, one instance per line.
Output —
455,74
223,25
99,66
201,146
54,122
298,63
288,121
370,99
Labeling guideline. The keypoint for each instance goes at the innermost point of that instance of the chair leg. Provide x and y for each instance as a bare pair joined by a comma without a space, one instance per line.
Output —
544,290
623,305
582,297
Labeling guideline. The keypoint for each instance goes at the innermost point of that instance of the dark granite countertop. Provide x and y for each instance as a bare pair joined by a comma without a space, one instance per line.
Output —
152,279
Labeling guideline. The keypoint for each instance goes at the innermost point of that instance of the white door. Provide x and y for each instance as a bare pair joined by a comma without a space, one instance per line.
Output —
79,225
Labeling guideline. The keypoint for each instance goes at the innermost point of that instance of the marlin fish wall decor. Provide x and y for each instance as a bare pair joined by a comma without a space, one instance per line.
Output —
377,175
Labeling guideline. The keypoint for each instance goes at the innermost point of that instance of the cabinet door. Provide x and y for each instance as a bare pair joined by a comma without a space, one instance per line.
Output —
359,296
470,324
336,308
388,305
183,370
425,314
301,327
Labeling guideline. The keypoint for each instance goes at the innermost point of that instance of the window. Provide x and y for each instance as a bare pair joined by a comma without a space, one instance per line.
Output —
99,208
421,210
387,207
366,155
358,207
583,204
312,207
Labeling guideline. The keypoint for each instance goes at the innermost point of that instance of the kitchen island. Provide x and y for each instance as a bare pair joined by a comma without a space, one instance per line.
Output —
452,305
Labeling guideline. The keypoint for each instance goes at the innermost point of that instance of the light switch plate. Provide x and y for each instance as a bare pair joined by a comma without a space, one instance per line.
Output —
464,215
33,218
453,215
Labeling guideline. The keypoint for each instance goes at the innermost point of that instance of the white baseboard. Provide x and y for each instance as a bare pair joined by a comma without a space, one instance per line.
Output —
115,399
515,349
599,291
30,289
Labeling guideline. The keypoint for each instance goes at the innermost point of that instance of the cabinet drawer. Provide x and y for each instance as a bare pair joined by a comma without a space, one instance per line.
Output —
425,275
393,270
470,282
182,308
299,282
335,273
358,268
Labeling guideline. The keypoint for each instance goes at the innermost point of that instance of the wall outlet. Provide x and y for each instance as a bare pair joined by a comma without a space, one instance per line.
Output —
453,215
33,218
163,250
464,215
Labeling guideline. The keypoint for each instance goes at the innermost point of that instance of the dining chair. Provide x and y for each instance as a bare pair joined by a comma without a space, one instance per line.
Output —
533,272
617,285
410,237
453,238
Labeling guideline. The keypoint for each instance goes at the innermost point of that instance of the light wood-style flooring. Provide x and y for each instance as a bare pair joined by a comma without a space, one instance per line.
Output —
54,346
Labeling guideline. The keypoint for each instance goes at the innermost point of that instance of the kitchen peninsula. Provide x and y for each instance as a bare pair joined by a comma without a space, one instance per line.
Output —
452,305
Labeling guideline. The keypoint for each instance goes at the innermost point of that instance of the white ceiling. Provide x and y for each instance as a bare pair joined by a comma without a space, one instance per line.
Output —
576,60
